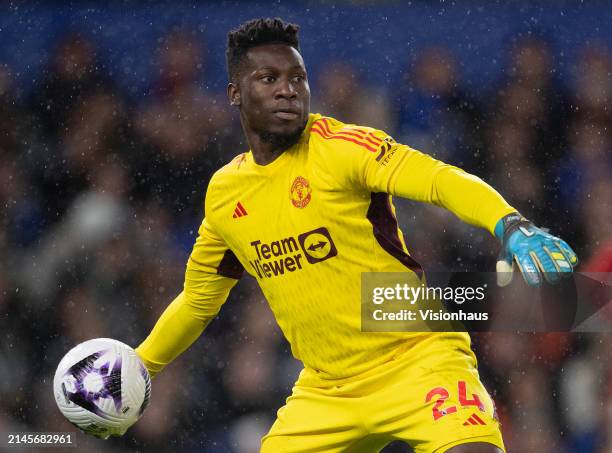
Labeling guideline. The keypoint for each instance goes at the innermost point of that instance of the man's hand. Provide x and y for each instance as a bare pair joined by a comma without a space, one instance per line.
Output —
536,252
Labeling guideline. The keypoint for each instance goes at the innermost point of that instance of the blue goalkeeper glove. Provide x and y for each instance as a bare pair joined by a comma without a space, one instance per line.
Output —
536,252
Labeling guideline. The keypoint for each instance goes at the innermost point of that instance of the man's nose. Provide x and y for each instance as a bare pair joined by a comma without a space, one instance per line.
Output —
286,90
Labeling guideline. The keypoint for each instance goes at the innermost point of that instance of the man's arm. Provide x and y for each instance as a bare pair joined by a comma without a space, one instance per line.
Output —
212,270
369,160
537,253
411,174
400,170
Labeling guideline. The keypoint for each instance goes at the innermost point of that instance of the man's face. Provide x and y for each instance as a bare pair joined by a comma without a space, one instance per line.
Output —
273,92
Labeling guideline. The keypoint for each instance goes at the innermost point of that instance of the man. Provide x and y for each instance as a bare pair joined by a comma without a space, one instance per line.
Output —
305,212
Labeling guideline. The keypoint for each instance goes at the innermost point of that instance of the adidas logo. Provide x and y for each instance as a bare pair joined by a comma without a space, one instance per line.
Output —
239,211
474,420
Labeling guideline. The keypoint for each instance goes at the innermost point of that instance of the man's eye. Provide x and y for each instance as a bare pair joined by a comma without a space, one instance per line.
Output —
268,79
299,78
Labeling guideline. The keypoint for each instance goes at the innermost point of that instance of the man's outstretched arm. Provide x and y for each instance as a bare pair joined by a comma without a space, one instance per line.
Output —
411,174
212,270
175,330
420,177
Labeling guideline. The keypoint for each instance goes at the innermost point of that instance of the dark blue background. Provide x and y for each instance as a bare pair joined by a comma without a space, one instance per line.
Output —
379,39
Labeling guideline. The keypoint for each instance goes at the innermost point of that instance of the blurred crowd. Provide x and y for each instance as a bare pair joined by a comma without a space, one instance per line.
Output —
102,197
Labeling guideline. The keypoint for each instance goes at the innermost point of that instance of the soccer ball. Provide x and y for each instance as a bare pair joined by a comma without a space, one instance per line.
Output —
102,387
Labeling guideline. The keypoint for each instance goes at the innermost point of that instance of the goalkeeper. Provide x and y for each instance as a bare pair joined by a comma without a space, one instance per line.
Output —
305,211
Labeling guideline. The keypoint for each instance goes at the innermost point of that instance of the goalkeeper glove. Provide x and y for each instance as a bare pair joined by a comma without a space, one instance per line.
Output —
536,252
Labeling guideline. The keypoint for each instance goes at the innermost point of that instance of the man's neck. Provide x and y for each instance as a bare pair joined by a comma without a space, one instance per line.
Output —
264,152
266,149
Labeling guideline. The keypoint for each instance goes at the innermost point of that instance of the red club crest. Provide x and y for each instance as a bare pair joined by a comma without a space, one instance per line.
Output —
300,192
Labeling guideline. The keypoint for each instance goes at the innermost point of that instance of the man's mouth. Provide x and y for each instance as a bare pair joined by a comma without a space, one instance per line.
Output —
287,114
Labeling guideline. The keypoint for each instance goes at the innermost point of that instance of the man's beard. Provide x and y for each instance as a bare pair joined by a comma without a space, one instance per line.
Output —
281,141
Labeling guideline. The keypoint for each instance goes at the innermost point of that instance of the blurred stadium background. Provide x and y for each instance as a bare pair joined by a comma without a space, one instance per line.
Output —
113,118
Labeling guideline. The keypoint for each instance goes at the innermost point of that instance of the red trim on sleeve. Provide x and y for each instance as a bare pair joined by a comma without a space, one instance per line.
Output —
341,137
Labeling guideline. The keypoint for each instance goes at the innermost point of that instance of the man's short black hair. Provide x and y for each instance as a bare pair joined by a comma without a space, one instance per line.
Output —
258,32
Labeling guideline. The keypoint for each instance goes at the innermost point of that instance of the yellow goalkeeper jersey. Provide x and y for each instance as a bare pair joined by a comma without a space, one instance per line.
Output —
306,226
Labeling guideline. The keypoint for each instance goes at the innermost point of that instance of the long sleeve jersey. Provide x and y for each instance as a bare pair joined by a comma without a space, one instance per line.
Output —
306,226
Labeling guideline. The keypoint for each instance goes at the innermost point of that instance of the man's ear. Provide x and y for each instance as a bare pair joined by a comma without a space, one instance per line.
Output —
233,94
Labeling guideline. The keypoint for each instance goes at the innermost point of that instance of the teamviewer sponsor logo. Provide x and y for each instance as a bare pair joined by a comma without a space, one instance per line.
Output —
317,245
287,255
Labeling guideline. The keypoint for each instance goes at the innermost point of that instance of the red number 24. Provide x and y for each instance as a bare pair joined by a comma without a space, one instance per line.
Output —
443,395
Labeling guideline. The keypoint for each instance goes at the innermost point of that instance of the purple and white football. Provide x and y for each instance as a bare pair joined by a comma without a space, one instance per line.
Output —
102,387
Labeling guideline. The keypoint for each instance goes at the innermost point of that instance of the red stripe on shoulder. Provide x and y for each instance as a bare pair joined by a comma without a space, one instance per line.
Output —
365,134
325,123
351,130
326,132
373,140
369,136
316,128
